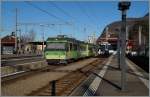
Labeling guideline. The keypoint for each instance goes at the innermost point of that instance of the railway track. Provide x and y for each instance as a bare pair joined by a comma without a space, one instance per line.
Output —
28,73
65,85
67,79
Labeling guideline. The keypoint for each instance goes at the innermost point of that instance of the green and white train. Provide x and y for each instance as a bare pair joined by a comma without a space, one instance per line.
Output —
62,49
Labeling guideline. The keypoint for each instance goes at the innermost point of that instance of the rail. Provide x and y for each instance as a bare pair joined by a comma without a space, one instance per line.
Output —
15,71
8,56
12,74
66,84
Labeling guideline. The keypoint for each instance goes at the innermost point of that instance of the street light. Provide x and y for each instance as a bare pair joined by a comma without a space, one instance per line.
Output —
123,7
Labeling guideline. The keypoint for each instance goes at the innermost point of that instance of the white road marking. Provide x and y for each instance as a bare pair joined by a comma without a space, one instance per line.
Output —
145,81
95,84
19,59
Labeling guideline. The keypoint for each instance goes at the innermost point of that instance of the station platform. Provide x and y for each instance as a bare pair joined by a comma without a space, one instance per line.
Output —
106,81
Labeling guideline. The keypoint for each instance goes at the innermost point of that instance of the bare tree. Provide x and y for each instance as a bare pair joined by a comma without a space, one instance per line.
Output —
28,37
32,35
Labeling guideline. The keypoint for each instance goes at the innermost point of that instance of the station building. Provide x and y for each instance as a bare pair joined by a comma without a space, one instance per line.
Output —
137,35
8,46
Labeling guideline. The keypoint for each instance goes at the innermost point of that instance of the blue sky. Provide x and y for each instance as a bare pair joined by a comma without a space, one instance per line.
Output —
86,17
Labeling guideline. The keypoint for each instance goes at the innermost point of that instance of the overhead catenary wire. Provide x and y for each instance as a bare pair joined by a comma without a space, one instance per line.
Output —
89,18
85,12
44,11
67,14
93,14
62,10
59,8
95,17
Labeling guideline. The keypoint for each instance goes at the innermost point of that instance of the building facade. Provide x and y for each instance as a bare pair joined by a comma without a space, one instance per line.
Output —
8,44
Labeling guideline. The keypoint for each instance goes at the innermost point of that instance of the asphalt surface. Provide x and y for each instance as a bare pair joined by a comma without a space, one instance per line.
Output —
108,81
20,60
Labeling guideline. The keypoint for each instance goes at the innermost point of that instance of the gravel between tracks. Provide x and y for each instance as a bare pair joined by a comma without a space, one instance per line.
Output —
25,86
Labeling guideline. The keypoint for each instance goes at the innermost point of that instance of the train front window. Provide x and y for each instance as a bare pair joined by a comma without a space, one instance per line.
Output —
56,46
102,47
110,47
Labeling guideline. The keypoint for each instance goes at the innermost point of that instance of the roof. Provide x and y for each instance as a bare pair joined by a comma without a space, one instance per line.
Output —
115,27
64,39
8,40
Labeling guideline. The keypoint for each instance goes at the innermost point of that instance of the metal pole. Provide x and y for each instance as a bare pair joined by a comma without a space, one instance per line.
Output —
20,41
127,33
140,30
42,29
1,19
123,7
43,41
123,49
16,32
106,34
94,38
118,50
60,29
43,44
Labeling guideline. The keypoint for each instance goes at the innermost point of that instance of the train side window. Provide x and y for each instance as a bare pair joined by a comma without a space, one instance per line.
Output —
67,47
78,47
71,47
75,46
83,48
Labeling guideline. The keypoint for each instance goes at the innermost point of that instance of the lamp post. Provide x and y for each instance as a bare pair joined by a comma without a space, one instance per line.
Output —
123,7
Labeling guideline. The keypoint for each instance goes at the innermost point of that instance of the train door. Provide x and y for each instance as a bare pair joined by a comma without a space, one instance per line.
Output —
87,50
70,50
78,50
75,51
